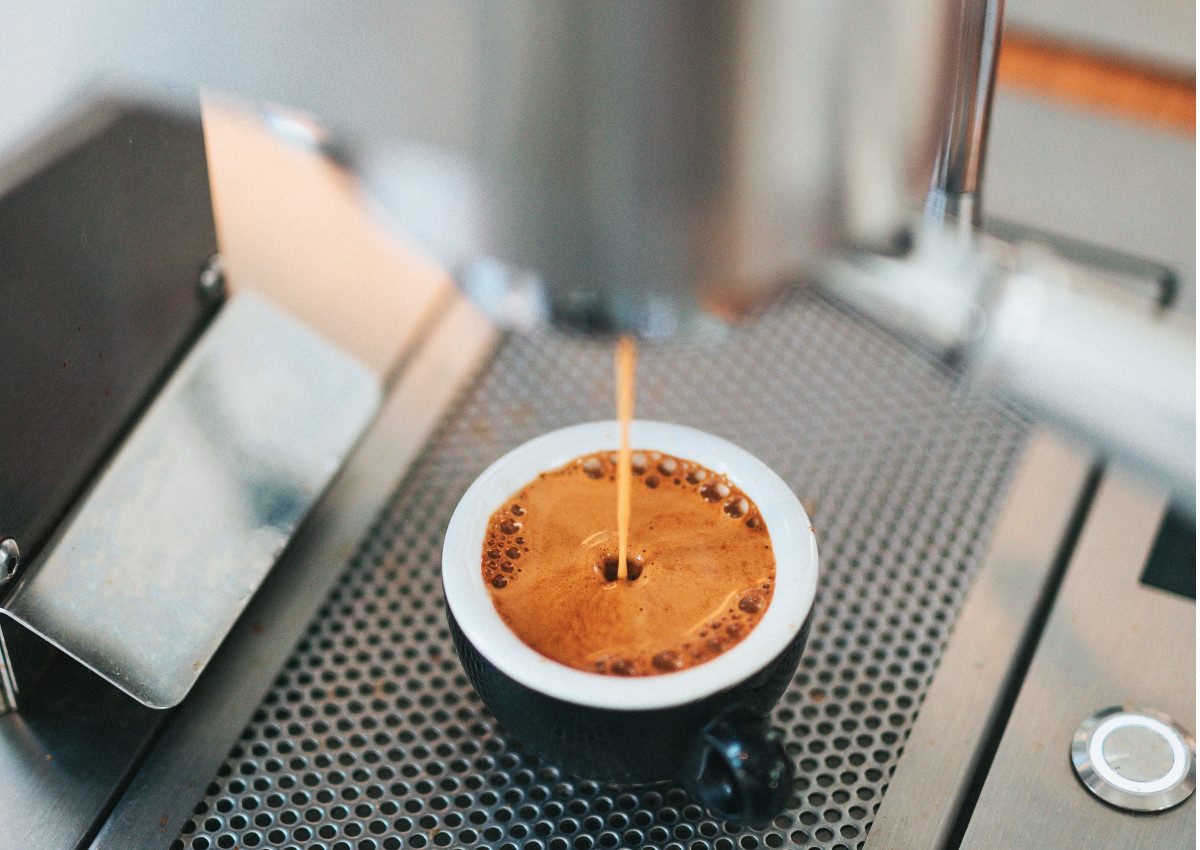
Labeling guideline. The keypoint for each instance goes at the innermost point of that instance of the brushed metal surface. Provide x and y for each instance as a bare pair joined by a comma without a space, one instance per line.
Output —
104,227
150,572
943,751
1109,641
660,161
451,346
65,754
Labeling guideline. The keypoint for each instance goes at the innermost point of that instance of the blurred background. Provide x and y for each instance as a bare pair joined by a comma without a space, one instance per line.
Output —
1118,74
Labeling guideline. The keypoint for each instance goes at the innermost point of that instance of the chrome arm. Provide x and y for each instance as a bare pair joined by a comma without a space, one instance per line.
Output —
1037,331
958,172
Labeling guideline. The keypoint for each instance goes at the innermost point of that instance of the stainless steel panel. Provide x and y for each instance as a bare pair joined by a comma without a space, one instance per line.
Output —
369,735
965,705
626,154
104,228
1135,758
635,168
1109,641
450,349
148,575
65,755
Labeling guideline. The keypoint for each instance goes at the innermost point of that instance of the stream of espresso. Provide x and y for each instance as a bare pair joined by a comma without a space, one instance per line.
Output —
690,573
626,372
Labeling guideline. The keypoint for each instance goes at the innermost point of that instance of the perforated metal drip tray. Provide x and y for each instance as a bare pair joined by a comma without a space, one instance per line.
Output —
371,736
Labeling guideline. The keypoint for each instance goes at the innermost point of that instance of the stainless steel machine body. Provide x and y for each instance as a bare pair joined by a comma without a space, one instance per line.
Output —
161,443
647,168
598,175
632,167
944,528
369,732
945,524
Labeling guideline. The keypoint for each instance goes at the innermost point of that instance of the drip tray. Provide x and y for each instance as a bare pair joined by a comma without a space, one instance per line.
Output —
370,736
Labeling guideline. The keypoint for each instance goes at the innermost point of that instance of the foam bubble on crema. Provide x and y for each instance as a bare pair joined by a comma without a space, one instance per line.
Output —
700,570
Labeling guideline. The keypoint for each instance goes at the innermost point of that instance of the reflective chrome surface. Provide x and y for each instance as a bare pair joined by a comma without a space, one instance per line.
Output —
958,173
1135,758
161,797
652,160
147,576
10,559
104,225
1021,322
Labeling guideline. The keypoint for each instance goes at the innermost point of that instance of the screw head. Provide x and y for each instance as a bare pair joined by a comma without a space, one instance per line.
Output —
211,283
10,559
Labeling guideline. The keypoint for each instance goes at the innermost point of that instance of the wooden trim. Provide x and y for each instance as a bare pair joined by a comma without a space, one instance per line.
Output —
1094,79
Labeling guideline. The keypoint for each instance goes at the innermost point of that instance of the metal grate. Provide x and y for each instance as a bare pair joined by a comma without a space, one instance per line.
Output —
371,737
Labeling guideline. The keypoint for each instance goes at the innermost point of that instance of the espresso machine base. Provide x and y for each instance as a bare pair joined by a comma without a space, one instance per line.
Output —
368,734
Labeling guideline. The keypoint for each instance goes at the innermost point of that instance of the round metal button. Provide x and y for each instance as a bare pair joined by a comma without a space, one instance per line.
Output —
1135,758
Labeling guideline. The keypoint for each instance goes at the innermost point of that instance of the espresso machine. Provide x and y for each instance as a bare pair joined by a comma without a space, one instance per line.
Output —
261,347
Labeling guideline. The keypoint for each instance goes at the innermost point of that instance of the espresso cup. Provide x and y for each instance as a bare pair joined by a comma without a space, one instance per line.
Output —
704,727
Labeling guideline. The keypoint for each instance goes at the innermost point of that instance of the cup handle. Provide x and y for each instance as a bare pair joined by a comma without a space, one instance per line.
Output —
738,770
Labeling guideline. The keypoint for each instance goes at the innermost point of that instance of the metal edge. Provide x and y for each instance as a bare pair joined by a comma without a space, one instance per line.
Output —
87,112
960,710
160,796
66,135
1091,775
8,682
110,512
1095,651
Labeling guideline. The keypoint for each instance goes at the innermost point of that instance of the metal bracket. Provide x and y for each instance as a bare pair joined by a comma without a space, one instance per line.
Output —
144,580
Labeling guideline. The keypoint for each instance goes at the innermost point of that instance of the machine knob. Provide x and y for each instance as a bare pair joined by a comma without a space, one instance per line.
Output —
1135,758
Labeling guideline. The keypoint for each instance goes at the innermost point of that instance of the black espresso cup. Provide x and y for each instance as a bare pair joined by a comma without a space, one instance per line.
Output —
704,727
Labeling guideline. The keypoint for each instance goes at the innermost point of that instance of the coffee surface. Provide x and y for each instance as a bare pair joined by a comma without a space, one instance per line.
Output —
701,566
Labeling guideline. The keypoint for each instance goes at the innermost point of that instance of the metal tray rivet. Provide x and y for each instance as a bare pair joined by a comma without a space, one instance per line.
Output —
10,559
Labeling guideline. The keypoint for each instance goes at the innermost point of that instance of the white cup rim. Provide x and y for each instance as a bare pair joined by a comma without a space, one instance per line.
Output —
467,597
